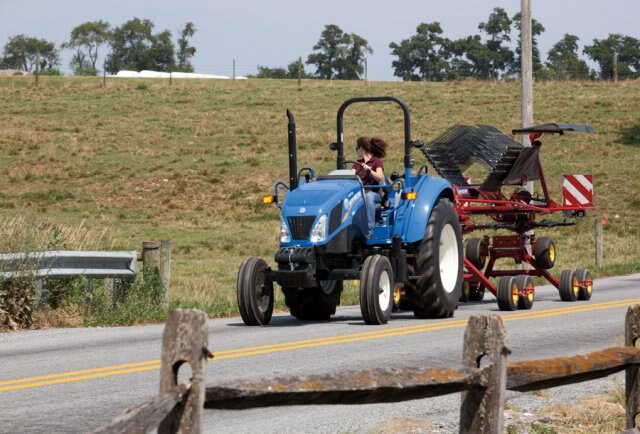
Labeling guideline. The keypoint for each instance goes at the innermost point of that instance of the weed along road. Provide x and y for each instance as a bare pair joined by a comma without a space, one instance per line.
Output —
75,380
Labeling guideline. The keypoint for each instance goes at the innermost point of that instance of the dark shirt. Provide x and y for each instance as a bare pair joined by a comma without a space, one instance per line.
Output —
367,179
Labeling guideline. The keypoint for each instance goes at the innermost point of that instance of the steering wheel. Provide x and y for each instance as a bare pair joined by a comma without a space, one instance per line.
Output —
352,162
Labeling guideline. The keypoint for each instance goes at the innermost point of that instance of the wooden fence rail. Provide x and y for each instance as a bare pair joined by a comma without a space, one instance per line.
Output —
482,380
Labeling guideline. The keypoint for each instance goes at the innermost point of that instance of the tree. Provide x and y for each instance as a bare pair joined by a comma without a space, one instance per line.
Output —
498,28
86,39
471,58
628,50
356,50
164,52
329,49
563,61
339,55
292,70
424,56
134,46
536,30
186,52
22,51
265,72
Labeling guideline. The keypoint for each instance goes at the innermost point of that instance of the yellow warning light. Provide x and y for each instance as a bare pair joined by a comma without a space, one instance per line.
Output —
411,195
268,199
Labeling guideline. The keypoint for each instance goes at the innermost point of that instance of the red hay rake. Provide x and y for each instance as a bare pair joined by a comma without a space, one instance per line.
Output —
513,165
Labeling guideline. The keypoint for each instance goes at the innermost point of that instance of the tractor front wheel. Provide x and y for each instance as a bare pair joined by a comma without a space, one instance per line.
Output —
376,290
254,292
439,264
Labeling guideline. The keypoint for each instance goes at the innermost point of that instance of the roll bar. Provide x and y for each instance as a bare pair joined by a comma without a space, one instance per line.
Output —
339,145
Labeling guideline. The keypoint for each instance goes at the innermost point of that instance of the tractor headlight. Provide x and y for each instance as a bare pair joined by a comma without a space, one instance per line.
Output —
285,235
319,231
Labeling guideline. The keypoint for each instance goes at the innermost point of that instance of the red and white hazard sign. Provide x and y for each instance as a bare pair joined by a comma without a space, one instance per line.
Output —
577,190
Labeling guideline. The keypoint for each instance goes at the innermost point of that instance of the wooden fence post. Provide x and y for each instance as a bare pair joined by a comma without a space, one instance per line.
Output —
185,340
165,267
482,409
599,243
632,385
150,259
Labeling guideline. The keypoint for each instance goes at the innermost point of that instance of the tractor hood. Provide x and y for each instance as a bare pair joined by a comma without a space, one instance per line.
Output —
315,211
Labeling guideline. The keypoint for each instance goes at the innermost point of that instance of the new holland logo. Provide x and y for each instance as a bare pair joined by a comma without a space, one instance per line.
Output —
302,210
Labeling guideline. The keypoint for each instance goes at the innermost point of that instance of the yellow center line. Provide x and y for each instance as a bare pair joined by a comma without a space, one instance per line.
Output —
88,374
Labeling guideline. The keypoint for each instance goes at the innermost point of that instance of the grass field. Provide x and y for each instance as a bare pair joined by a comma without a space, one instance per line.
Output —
140,160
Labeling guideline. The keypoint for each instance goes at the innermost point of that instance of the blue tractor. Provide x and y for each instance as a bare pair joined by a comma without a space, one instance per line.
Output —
412,259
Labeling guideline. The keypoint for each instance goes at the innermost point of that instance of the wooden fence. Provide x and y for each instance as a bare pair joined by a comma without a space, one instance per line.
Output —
482,380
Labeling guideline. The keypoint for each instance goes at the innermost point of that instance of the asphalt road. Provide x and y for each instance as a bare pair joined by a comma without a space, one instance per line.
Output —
75,380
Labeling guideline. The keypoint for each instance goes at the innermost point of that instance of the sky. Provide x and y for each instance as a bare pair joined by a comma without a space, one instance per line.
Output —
274,33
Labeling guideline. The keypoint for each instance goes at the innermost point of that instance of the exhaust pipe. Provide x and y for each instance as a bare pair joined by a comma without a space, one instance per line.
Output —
293,158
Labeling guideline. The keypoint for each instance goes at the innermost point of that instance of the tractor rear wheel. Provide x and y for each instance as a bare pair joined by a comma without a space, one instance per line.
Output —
508,293
254,292
313,304
473,252
439,264
569,287
525,284
545,252
586,284
376,290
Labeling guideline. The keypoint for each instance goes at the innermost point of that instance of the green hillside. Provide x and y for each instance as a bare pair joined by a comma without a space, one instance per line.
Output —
140,160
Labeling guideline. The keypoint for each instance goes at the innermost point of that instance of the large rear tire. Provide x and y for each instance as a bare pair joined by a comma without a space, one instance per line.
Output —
254,292
439,264
376,290
314,304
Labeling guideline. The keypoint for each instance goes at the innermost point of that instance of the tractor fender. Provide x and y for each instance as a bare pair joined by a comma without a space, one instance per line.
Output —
413,220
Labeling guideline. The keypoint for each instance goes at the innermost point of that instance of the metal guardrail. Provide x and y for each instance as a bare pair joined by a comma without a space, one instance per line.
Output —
58,264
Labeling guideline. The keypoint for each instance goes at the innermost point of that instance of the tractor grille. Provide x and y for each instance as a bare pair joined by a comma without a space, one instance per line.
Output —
301,227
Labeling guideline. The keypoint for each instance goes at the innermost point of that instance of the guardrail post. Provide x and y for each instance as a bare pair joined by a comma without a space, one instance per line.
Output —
482,409
150,259
185,340
632,383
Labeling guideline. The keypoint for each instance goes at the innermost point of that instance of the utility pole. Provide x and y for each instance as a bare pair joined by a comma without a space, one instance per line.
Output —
526,79
300,73
526,72
615,66
234,70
